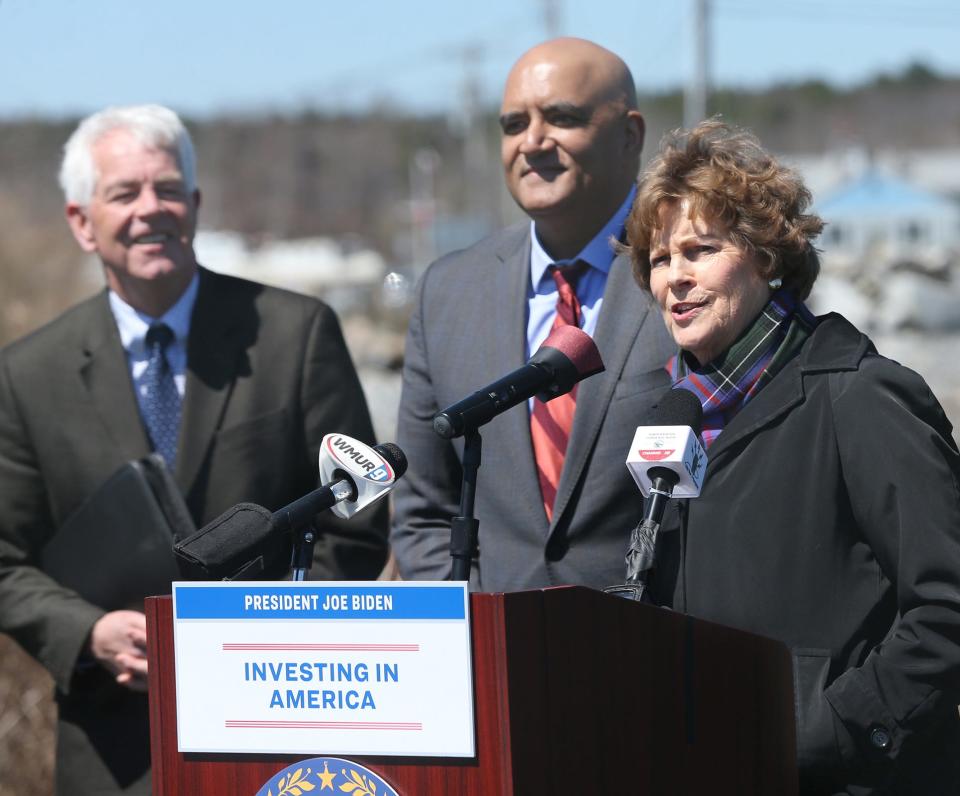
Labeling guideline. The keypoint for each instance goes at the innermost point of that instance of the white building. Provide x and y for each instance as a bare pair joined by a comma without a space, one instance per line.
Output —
877,221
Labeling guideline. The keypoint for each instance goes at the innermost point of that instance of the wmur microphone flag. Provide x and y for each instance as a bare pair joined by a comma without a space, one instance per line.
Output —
372,472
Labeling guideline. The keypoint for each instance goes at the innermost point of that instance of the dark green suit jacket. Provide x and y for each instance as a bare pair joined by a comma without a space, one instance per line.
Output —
268,375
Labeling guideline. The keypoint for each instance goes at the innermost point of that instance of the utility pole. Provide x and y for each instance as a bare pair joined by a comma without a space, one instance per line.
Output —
551,18
474,144
476,155
423,169
695,97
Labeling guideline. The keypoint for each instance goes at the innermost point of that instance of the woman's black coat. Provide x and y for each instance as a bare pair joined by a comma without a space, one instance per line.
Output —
830,520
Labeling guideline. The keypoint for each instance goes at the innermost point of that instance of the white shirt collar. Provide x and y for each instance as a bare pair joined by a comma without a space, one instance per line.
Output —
133,324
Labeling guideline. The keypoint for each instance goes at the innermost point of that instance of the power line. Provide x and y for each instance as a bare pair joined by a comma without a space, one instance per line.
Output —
865,15
424,58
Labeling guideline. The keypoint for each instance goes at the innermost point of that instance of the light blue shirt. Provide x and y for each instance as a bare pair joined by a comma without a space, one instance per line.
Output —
133,326
542,290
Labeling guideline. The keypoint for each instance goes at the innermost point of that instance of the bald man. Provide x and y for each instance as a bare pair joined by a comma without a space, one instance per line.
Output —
571,143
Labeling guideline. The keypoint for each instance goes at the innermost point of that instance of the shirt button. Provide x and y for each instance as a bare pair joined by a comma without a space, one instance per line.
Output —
880,737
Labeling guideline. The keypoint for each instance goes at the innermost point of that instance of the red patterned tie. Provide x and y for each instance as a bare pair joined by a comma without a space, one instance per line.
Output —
550,422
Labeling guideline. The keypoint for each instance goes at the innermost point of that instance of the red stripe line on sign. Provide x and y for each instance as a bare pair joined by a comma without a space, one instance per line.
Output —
325,725
229,647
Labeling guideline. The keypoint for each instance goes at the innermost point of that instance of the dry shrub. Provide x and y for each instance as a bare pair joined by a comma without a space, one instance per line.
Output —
40,275
42,271
27,716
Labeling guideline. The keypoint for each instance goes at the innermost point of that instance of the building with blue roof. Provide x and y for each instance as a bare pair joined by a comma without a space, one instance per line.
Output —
880,220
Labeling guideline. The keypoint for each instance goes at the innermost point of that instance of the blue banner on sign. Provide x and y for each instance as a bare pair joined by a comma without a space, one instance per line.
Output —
308,601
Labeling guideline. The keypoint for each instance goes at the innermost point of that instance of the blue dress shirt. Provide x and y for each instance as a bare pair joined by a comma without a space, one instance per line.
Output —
542,290
133,326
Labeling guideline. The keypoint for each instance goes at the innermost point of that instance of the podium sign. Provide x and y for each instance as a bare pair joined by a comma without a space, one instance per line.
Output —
309,667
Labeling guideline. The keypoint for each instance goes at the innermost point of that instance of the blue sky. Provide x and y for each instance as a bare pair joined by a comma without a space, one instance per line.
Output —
204,57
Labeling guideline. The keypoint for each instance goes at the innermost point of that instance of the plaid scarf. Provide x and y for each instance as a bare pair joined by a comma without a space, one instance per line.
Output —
726,384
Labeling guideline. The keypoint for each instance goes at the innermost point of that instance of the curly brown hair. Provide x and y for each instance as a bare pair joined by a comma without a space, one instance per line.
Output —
725,174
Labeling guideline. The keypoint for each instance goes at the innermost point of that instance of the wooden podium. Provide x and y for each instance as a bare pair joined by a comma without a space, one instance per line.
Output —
576,692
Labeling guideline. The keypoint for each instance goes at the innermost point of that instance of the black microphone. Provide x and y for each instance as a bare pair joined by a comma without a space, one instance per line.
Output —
248,541
567,356
672,440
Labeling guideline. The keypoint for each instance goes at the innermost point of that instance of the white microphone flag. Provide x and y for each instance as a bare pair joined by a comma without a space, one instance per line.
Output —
676,448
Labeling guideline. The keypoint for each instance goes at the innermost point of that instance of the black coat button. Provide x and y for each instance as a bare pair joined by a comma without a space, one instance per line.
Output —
880,737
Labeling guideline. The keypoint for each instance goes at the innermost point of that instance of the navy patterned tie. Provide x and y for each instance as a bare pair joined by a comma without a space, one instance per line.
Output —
161,405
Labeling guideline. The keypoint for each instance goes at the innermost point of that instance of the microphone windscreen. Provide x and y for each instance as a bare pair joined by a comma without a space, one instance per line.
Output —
577,346
237,545
395,457
678,407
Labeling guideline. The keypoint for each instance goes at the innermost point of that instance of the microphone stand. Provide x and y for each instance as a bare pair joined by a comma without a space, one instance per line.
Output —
300,518
641,555
464,529
302,559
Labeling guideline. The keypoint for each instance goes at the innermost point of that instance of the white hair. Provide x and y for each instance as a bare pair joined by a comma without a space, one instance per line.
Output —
154,126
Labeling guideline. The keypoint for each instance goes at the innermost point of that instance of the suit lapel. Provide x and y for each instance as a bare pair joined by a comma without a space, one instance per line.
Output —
510,339
623,313
214,351
104,372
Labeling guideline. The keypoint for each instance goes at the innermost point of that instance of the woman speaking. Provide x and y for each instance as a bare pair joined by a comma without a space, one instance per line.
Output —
830,513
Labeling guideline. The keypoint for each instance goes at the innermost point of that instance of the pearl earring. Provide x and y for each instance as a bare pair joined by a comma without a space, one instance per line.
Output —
776,283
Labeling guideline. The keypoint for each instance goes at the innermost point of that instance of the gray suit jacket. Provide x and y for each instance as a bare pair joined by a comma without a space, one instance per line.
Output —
467,330
267,375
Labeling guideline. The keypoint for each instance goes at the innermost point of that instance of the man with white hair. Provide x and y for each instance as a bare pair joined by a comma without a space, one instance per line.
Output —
234,384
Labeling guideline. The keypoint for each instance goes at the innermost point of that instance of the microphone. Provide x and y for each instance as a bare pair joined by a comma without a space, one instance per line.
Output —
666,459
566,357
248,540
355,475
